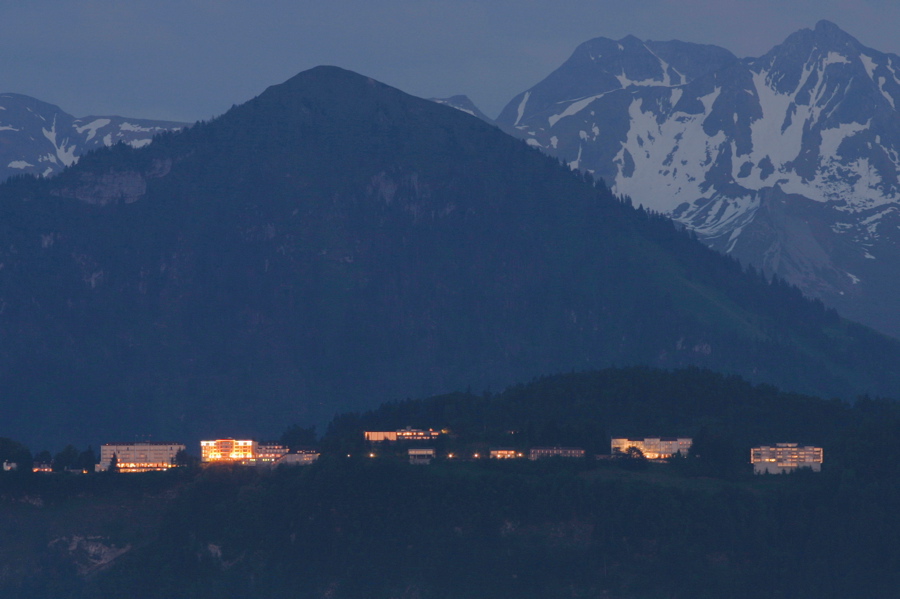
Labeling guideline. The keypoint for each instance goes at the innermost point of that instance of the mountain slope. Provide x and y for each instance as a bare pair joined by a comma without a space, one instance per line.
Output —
464,104
40,139
787,161
334,243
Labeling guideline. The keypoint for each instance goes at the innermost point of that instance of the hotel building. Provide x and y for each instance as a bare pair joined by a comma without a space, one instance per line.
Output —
227,450
538,453
653,448
138,457
785,457
404,434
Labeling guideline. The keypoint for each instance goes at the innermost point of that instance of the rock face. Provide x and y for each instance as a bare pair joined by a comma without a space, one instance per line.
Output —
40,139
788,161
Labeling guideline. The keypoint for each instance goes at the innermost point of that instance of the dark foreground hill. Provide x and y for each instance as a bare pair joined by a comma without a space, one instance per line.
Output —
335,243
360,527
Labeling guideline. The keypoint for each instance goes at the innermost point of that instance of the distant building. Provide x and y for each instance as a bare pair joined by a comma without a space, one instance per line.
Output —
300,458
269,453
246,453
653,448
506,454
404,434
227,450
42,467
10,466
138,457
785,457
538,453
421,455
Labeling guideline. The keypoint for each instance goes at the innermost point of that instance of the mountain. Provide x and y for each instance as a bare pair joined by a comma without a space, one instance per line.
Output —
463,103
788,161
335,243
40,139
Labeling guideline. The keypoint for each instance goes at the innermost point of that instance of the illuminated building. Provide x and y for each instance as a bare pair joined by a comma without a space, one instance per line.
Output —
10,466
378,436
654,448
301,458
505,454
421,455
404,434
227,450
538,453
269,452
785,457
42,467
138,457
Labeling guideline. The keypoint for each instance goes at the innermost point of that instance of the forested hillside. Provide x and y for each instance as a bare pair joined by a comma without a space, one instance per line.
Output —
355,526
335,243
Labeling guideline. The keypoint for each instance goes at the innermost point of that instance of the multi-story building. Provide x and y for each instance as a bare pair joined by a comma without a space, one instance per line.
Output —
538,453
506,454
404,434
300,458
138,457
269,453
421,455
785,457
653,448
227,450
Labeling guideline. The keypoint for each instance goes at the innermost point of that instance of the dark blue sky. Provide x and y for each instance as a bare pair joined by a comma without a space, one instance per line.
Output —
193,59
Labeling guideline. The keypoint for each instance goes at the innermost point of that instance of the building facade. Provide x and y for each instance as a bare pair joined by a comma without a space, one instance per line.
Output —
300,458
538,453
270,453
138,457
785,457
403,434
227,450
421,456
506,454
653,448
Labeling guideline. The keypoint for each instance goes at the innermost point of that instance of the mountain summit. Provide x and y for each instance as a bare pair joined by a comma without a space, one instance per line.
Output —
334,243
787,161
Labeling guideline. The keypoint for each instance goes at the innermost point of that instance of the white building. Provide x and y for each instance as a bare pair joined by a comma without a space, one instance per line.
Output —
422,455
138,457
785,457
653,448
300,458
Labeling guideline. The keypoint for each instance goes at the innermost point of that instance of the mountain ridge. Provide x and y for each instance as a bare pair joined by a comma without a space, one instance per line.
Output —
813,119
38,138
334,243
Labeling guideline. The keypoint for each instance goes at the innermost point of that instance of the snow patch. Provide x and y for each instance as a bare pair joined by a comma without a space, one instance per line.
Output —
19,164
834,58
573,108
136,128
64,152
521,110
869,65
92,127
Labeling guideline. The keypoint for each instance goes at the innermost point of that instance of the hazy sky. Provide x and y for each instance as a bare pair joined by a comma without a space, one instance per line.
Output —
193,59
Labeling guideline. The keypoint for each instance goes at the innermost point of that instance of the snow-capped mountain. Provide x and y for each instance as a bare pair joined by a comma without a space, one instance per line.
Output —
41,139
788,161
